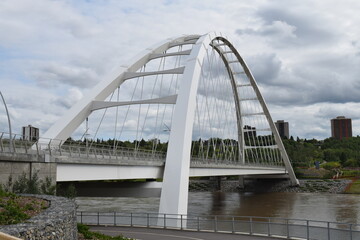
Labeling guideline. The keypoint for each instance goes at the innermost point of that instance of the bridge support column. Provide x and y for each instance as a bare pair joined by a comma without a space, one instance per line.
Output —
174,192
241,182
217,182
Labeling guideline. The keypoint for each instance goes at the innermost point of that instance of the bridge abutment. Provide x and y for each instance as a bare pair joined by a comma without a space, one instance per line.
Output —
15,166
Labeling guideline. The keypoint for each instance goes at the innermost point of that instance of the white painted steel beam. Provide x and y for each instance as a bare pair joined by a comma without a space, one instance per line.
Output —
180,43
68,123
96,105
278,141
88,172
160,55
129,75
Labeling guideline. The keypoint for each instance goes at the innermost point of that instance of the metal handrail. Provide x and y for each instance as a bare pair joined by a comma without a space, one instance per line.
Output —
95,151
249,225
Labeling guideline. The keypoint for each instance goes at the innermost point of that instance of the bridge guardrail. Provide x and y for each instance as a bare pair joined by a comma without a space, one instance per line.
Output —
249,225
20,145
93,151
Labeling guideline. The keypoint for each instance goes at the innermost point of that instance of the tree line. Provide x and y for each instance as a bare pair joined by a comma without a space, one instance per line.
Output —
302,152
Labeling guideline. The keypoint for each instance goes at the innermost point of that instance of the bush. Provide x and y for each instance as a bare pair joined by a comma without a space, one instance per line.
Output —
351,163
31,186
2,192
47,187
84,230
25,185
331,165
351,173
11,212
69,191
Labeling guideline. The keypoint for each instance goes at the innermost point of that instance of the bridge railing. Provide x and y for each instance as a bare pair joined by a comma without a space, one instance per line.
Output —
17,144
250,225
20,145
78,149
199,162
106,152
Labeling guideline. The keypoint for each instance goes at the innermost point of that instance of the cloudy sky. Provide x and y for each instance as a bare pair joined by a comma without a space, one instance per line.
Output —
305,55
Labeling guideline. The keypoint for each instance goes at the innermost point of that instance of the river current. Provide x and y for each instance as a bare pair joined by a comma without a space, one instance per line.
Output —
312,206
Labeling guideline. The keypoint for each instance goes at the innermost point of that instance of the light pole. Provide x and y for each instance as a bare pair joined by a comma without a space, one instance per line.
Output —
8,116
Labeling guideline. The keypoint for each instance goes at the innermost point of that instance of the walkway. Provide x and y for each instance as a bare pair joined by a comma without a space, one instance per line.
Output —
141,233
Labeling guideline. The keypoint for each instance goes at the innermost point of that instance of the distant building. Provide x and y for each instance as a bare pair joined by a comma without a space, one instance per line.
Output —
283,128
249,132
30,133
341,127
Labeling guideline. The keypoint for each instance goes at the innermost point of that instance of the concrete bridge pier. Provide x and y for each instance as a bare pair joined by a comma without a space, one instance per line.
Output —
241,182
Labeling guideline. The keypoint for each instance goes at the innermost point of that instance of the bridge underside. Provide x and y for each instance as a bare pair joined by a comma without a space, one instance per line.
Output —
88,172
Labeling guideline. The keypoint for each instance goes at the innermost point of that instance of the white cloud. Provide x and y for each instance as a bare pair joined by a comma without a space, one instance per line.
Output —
303,56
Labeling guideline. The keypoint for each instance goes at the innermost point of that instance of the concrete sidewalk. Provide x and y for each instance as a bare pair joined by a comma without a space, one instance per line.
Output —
141,233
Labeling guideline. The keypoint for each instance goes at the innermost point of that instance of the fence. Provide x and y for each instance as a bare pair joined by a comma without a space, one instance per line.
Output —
250,225
18,145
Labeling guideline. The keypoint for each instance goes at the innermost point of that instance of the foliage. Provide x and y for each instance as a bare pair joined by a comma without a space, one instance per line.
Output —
32,185
142,144
47,187
83,229
26,185
354,187
350,173
11,212
304,153
331,165
3,193
69,191
15,209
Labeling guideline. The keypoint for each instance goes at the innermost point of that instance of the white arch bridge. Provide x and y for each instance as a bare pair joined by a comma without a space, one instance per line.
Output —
194,97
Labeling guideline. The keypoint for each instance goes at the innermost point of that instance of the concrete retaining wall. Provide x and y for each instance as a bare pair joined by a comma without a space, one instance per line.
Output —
16,168
55,223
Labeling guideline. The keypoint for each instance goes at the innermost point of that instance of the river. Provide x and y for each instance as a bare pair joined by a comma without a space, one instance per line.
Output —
312,206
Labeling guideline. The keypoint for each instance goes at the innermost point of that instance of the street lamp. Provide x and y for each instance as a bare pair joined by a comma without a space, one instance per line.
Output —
8,116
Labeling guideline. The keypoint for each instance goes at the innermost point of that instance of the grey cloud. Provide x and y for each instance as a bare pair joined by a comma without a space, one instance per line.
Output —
310,28
73,96
311,88
279,29
285,28
265,67
51,74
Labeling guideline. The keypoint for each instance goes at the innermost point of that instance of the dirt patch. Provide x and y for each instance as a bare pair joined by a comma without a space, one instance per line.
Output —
14,208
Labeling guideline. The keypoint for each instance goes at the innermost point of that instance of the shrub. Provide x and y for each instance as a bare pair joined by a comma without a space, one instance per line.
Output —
25,185
11,212
20,185
351,163
69,191
47,187
331,165
83,229
31,186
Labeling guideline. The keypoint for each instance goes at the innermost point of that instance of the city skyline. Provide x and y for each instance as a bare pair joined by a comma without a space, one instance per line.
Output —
304,58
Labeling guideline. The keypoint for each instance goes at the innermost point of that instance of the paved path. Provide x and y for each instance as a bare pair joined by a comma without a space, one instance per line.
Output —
167,234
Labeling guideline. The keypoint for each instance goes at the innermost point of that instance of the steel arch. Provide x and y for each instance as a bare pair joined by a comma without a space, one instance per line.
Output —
174,194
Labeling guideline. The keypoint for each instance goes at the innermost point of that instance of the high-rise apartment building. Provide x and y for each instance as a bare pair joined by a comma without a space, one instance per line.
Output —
30,133
341,127
283,128
249,132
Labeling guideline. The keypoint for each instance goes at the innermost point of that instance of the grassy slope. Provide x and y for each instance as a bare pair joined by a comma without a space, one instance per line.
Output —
354,187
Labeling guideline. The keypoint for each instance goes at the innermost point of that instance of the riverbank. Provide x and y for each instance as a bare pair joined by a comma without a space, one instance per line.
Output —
335,186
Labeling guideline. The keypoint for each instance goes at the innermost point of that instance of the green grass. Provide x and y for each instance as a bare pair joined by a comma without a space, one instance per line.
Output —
94,235
354,187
